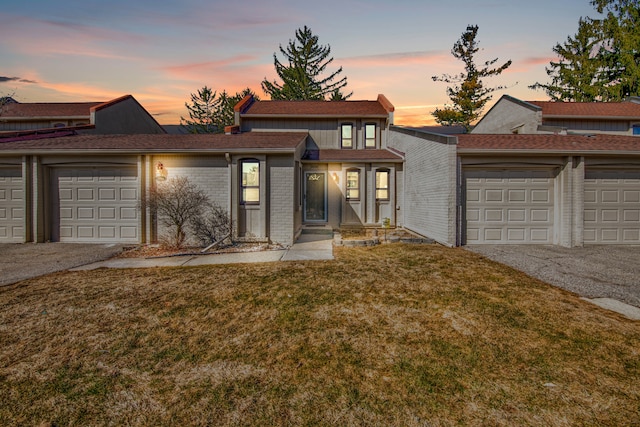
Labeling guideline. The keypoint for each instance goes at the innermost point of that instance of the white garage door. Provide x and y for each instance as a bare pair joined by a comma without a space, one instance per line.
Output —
11,206
509,207
612,207
96,205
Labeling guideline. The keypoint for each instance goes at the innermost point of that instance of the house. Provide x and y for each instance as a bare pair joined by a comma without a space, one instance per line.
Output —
511,115
122,115
289,165
281,166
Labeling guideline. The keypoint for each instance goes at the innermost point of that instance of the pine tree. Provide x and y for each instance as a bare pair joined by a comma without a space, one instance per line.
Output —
602,61
302,70
202,110
210,112
468,95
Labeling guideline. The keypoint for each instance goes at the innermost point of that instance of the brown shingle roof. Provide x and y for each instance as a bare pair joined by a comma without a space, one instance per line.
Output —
351,155
48,109
250,141
547,143
379,108
589,109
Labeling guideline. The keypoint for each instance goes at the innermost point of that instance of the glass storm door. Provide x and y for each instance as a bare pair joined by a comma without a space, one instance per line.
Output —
315,201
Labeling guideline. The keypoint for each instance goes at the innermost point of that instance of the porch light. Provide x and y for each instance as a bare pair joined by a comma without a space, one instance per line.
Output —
336,178
161,172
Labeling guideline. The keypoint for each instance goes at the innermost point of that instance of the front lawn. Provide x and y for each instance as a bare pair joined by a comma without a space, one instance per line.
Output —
407,335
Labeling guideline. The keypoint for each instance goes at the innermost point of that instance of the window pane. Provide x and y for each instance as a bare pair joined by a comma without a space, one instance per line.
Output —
251,195
250,174
347,137
382,185
370,135
353,184
382,179
353,193
352,179
250,182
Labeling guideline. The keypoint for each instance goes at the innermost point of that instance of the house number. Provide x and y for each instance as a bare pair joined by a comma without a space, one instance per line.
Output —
315,177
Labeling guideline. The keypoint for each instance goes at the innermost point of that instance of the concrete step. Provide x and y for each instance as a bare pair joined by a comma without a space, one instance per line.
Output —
317,229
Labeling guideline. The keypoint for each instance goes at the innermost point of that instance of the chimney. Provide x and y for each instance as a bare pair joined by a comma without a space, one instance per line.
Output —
232,130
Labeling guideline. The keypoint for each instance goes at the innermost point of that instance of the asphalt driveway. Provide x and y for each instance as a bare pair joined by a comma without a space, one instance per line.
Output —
24,261
591,272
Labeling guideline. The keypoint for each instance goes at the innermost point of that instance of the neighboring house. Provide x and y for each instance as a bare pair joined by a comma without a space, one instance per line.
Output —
290,165
122,115
511,115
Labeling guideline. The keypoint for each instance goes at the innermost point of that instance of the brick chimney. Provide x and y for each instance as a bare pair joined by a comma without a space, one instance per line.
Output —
232,130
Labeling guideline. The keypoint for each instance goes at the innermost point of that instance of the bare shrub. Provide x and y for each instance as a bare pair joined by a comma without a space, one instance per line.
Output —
212,225
177,202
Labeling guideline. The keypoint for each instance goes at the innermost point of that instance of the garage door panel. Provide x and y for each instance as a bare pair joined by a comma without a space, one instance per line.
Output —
631,215
86,194
509,206
630,196
97,205
128,194
516,215
107,194
631,235
516,234
517,195
612,207
540,235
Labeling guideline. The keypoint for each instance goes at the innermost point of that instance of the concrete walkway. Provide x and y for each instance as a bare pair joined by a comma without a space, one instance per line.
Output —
307,247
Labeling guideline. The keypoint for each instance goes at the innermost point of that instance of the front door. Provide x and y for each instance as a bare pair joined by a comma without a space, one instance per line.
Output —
315,200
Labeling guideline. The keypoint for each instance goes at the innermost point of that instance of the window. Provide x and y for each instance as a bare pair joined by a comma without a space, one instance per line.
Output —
636,129
353,184
346,133
370,135
250,182
382,185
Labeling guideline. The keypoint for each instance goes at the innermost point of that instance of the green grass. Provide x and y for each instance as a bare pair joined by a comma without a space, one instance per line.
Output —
391,335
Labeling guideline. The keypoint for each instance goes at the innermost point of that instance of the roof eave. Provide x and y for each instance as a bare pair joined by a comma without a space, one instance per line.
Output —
112,151
34,118
314,116
543,152
588,117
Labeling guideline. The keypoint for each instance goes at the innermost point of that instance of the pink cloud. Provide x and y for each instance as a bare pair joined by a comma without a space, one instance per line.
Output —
47,37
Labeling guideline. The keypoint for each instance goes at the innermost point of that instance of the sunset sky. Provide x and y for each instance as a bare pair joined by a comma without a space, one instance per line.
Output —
161,51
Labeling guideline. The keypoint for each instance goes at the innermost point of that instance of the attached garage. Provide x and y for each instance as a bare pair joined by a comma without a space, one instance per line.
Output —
95,205
509,206
11,205
612,206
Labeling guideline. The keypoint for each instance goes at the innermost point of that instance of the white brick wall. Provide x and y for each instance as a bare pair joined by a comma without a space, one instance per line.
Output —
281,199
209,173
429,199
508,115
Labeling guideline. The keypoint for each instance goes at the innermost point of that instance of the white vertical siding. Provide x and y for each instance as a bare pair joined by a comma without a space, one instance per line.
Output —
429,199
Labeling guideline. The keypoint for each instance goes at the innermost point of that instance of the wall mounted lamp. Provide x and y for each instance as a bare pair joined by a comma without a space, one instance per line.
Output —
161,172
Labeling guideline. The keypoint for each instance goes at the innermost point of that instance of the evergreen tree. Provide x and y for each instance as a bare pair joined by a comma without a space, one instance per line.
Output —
202,110
468,95
210,112
602,61
302,71
575,77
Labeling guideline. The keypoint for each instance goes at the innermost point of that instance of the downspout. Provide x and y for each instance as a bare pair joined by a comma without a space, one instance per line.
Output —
459,185
227,157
